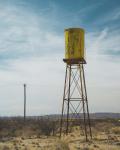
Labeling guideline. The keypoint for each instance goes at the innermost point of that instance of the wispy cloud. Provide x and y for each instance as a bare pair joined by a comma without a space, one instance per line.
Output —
23,33
109,18
105,42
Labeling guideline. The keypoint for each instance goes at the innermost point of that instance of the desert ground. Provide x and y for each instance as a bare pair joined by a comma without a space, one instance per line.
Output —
43,134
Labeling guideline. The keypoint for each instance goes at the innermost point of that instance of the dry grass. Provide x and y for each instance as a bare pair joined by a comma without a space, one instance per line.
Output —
61,145
106,136
116,130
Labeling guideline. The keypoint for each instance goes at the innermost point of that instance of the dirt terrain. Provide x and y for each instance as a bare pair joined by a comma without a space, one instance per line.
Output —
34,135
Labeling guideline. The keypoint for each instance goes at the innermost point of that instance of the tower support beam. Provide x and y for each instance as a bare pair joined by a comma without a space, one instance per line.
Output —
75,104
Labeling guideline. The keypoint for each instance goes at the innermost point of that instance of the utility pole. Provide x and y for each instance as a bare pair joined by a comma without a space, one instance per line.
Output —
24,102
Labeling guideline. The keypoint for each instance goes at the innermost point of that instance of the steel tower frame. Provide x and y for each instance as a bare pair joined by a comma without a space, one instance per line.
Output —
75,100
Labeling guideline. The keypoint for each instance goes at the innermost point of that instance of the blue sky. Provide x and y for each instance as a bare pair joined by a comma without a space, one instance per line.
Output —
32,49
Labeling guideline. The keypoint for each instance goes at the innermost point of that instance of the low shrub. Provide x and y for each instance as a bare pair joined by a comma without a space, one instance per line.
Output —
62,145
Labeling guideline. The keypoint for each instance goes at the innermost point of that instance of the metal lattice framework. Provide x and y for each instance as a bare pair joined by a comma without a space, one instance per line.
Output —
75,104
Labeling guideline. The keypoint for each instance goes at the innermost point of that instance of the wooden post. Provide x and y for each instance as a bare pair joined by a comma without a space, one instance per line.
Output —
24,103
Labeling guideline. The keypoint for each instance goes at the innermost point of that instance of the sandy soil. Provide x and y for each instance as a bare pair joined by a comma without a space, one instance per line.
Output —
105,137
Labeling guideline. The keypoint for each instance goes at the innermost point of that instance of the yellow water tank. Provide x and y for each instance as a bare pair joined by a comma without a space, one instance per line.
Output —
74,43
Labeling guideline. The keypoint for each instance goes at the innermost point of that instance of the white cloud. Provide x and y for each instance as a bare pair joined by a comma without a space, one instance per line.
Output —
109,17
102,70
105,42
24,33
44,77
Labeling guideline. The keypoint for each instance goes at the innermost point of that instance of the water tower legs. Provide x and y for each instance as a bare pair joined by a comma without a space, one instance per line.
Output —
75,103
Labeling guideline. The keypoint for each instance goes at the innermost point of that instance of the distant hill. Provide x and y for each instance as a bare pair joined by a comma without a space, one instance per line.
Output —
98,115
95,115
105,115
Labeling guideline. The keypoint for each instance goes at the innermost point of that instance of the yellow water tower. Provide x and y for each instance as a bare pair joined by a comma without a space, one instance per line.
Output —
75,103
